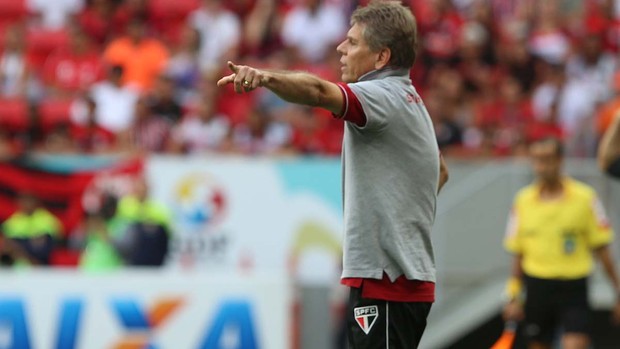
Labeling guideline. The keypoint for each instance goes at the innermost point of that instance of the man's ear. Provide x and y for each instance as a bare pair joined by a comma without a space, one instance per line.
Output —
383,58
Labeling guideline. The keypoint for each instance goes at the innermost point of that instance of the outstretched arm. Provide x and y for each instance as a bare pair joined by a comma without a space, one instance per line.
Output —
609,149
295,87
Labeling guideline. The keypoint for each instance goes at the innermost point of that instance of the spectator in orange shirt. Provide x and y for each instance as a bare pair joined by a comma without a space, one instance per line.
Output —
142,58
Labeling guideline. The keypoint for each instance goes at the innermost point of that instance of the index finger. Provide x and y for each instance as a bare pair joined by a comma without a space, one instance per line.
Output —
226,80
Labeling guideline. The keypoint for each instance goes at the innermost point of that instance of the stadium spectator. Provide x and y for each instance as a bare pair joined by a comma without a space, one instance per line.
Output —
608,110
14,66
91,138
54,14
184,65
260,135
75,68
556,226
10,252
143,58
592,65
574,104
448,131
162,100
115,102
34,229
507,118
126,11
148,133
220,33
440,27
100,251
261,36
96,20
609,149
204,130
326,23
58,140
146,240
312,132
546,39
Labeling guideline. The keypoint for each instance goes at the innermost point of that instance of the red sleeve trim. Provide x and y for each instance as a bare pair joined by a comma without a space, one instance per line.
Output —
352,110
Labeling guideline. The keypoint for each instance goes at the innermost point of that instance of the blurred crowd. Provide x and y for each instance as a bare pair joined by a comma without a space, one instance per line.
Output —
100,76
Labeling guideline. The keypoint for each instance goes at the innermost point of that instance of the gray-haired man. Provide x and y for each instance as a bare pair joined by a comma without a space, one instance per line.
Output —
392,172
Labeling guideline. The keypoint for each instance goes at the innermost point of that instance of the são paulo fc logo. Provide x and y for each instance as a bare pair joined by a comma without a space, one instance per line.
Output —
366,317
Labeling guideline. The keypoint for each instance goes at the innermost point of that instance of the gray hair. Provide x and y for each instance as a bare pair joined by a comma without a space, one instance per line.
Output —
389,24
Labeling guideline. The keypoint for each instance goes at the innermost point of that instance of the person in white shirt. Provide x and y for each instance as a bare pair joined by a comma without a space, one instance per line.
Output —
55,13
115,101
313,29
572,103
220,33
202,131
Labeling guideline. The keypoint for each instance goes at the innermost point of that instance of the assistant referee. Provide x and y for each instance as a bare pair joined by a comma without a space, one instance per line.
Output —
557,225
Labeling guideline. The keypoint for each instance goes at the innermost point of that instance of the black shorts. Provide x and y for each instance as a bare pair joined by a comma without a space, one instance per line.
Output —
379,324
553,305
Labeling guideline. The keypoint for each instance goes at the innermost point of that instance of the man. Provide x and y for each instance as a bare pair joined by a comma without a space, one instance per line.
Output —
143,58
609,149
555,228
391,172
31,230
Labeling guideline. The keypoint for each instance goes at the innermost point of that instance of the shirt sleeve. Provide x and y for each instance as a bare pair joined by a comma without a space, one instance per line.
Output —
599,229
512,239
614,168
352,110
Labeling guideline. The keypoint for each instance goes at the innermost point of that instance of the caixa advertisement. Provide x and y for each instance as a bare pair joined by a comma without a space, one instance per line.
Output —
143,309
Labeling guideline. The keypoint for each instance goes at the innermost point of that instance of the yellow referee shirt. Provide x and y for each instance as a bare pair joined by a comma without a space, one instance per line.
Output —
556,237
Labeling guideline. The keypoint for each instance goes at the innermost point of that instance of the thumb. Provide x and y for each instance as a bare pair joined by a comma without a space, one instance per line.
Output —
233,67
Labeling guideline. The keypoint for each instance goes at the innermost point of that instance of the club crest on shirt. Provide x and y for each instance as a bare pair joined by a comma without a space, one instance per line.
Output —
366,317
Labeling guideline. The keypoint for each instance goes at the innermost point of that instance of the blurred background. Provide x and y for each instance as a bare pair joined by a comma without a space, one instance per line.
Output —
143,207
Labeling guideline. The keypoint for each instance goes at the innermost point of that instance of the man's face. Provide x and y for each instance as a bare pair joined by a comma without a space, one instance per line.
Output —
357,58
546,162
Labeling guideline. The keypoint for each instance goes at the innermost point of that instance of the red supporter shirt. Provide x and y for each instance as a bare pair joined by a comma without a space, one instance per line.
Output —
72,72
402,289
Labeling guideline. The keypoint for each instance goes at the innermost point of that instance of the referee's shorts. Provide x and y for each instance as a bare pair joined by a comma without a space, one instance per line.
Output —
380,324
552,305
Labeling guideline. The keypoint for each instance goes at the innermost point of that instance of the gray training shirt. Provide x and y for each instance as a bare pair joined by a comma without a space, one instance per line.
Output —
390,170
